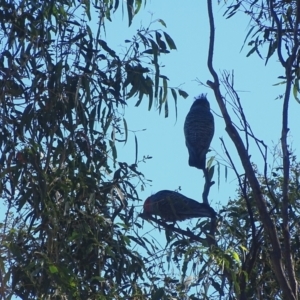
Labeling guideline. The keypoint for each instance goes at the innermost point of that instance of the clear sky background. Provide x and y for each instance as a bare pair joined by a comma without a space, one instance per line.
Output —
163,139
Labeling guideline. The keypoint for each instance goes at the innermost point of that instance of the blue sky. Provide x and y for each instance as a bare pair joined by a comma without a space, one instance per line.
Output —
163,138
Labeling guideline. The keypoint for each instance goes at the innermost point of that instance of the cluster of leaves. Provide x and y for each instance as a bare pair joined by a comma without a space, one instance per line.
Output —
63,94
242,231
255,255
71,231
270,206
238,266
263,28
274,24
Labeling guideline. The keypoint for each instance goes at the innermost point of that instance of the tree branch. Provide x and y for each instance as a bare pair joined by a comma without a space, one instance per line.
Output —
209,240
276,256
286,155
207,185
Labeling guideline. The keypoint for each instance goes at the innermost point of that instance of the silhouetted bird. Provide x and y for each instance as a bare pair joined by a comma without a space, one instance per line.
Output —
172,206
199,130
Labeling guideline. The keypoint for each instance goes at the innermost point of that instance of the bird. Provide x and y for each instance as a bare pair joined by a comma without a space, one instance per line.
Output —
172,206
199,129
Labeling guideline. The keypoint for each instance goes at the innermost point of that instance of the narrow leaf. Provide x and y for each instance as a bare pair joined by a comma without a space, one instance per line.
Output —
166,109
183,93
138,4
106,48
295,90
165,90
175,100
130,11
53,269
251,51
125,130
136,149
169,41
162,22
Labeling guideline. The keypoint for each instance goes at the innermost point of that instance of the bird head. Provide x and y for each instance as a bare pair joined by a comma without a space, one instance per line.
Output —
201,101
151,204
148,207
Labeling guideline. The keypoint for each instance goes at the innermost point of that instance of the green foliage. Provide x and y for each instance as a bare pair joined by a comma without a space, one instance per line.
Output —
274,29
71,230
242,231
238,266
63,92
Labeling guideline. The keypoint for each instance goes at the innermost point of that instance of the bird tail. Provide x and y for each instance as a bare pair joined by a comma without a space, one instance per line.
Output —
197,161
201,211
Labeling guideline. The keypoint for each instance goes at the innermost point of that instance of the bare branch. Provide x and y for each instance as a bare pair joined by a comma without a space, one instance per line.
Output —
276,255
286,155
242,187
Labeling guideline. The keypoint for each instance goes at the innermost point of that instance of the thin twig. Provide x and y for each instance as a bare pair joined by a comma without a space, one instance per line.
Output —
242,187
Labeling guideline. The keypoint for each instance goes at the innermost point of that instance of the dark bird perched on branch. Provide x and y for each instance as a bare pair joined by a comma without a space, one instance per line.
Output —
199,130
172,206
